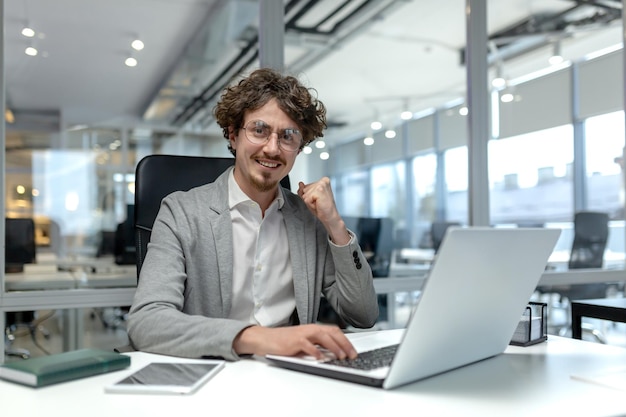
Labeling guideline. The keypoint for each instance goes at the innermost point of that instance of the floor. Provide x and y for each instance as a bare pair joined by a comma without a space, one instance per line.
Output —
105,330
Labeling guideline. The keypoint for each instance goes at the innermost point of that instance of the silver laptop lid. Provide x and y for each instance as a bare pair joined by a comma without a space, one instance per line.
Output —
478,287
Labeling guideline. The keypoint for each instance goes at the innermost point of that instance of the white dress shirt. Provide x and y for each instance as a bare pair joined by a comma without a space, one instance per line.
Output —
263,291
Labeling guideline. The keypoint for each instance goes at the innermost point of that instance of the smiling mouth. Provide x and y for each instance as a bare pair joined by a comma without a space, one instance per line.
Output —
268,164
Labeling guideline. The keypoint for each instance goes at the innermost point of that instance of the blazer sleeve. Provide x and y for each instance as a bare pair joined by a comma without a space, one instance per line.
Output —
348,283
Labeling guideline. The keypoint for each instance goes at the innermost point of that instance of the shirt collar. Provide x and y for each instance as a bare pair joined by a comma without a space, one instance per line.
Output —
237,196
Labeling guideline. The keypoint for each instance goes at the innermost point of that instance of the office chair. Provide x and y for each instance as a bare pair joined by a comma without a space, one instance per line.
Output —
591,232
19,249
156,176
438,231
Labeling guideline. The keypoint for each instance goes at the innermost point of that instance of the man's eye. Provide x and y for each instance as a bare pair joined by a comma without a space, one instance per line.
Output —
287,137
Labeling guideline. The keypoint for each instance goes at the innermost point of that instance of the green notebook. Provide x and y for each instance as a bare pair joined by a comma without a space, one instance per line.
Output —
46,370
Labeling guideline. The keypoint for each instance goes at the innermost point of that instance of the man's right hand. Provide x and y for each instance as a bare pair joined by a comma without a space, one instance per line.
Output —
294,340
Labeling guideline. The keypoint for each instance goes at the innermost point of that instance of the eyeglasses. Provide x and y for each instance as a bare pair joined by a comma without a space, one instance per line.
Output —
258,132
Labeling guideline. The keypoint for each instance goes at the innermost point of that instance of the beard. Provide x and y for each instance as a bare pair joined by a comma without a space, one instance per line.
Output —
264,185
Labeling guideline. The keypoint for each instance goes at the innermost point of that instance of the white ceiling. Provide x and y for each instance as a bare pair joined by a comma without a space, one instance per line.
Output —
399,52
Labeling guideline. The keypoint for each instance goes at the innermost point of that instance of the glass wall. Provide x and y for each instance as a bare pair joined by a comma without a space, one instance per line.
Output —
532,165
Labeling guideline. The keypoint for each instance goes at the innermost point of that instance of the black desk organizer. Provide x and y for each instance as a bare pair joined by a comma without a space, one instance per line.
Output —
533,327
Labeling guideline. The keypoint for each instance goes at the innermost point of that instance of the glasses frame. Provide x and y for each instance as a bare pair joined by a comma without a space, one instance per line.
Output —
257,141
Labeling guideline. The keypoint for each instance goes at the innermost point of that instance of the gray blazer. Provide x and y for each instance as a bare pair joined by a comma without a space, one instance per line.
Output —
184,292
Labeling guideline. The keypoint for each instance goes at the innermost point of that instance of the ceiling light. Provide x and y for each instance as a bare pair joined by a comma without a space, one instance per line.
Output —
130,62
324,156
137,45
368,141
406,115
390,134
463,111
307,150
31,51
28,32
556,57
507,97
498,82
320,144
9,117
376,125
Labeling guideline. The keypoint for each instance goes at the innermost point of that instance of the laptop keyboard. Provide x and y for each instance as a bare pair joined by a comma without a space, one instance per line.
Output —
370,359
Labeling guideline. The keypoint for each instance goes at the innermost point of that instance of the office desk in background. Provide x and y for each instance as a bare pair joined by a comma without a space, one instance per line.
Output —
94,275
613,309
532,381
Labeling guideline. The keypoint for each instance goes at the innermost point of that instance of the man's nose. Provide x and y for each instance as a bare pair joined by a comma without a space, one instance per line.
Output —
272,143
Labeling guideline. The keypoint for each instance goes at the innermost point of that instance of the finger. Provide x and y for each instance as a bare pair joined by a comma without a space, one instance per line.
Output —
336,342
310,349
300,188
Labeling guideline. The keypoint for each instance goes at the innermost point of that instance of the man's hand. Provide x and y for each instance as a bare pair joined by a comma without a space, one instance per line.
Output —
289,341
318,197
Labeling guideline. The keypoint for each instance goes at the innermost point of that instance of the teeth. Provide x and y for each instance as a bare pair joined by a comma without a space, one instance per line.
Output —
268,164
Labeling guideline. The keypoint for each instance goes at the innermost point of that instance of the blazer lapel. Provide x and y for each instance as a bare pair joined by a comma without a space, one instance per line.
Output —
217,201
303,289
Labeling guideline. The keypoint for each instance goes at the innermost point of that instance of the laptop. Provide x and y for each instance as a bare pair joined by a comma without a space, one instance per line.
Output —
471,303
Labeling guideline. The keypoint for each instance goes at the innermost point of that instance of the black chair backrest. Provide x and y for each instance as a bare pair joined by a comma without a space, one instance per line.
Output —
20,245
438,231
591,233
376,240
156,176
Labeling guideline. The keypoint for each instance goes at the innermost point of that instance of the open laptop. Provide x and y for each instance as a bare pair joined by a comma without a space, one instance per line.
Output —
476,292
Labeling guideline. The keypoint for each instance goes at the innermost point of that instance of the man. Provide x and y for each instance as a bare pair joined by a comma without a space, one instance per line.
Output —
233,266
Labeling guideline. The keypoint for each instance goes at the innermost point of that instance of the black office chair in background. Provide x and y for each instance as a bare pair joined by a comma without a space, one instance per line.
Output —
20,249
438,231
591,233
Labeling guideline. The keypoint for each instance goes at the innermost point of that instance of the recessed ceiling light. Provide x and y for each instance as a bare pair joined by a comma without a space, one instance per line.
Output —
368,141
376,125
324,155
28,32
319,144
137,45
31,51
390,134
498,82
307,149
130,62
507,98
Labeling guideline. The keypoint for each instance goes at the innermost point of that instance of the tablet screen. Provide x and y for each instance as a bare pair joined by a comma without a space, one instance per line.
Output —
167,378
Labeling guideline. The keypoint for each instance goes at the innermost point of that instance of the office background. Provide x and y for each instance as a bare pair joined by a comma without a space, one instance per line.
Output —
78,119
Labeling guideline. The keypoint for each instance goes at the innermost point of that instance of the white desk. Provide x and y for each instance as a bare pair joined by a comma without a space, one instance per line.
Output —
533,381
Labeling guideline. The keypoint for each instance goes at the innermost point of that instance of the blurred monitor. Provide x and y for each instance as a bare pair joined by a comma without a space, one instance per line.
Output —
125,249
20,246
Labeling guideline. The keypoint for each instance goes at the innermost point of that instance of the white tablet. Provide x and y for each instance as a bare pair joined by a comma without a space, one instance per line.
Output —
167,378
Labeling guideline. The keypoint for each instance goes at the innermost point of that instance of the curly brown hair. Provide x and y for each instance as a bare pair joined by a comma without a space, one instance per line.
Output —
297,101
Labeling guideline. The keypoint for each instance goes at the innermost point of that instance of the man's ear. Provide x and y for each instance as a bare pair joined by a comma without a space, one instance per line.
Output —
232,136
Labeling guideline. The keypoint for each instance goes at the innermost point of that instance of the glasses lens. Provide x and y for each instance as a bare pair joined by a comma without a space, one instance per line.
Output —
257,132
290,139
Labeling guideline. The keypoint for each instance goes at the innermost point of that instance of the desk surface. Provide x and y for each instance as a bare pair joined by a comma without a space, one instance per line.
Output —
522,381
